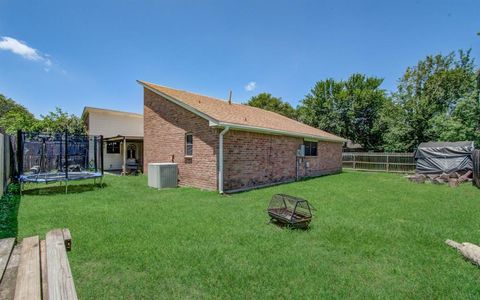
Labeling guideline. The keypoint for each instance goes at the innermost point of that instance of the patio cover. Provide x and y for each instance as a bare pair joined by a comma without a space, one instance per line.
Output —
444,157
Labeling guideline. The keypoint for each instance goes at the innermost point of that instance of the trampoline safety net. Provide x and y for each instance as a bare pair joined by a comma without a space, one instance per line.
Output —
50,157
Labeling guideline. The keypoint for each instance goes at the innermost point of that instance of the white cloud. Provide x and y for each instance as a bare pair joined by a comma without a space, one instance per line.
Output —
250,86
25,51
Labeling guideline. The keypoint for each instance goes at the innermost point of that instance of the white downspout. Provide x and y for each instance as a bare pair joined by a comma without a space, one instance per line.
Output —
220,159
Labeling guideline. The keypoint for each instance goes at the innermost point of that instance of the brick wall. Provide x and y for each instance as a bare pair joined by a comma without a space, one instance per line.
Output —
165,125
329,160
253,159
250,159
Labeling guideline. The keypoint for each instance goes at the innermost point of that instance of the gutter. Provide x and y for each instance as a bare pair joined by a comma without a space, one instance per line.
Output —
220,159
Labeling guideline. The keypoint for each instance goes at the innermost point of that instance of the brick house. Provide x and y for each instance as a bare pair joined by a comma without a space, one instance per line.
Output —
229,147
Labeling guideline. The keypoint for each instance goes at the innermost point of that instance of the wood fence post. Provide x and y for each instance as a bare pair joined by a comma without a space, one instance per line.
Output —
2,166
354,161
388,163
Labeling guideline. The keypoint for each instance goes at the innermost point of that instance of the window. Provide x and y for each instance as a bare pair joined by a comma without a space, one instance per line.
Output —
131,151
310,148
188,144
113,147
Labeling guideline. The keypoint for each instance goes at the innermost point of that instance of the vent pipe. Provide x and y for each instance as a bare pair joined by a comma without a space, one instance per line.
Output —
230,97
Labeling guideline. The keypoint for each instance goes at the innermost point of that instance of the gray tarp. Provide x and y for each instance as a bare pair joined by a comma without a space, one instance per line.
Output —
444,157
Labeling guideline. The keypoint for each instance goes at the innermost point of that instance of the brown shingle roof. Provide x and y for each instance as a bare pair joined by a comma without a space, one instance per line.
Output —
239,116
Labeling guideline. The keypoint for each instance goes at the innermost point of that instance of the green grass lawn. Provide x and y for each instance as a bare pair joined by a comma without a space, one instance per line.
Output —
373,236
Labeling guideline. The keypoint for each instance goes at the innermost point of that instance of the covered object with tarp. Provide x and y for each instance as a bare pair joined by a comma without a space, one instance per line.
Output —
444,157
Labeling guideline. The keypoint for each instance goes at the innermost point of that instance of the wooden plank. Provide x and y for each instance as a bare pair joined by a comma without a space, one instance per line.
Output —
6,247
67,237
43,269
7,285
28,276
59,275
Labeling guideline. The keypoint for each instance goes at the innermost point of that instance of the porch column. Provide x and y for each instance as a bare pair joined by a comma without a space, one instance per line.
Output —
124,167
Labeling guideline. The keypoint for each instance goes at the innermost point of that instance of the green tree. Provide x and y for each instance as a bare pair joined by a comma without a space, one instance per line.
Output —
321,108
365,99
348,108
14,117
436,100
461,124
268,102
59,121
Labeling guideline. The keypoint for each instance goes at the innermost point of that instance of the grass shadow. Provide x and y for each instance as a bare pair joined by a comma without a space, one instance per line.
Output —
9,206
286,182
62,190
282,225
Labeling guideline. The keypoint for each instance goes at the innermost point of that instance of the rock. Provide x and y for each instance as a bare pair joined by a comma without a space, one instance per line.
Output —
417,178
453,182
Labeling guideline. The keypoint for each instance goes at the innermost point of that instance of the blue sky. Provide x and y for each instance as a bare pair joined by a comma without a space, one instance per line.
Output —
73,54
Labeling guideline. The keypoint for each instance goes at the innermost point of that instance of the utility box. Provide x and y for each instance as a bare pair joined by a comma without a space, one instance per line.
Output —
162,175
301,151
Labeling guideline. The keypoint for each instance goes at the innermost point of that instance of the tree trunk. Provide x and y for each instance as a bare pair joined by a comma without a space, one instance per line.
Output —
468,250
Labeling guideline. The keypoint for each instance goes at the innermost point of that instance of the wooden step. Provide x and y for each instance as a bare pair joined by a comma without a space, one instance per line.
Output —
59,275
43,269
28,277
7,285
6,247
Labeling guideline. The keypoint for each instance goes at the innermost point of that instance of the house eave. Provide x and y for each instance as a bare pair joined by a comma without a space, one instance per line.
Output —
88,109
242,127
180,103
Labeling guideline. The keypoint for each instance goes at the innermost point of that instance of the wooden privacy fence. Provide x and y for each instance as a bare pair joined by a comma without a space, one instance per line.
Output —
382,162
5,161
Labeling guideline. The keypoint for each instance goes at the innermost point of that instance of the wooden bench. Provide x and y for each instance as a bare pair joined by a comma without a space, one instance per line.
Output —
35,270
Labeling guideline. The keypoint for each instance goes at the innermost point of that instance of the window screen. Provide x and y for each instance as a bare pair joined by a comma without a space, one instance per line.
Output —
310,148
188,144
113,147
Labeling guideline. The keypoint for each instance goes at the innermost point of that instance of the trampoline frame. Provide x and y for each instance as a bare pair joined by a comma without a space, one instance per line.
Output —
65,175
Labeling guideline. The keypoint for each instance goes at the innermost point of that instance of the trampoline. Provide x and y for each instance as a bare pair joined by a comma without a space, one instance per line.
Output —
58,157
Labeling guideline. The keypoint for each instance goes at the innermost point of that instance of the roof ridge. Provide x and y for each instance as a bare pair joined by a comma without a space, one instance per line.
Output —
185,91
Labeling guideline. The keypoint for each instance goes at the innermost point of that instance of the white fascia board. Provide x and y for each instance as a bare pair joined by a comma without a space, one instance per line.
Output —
278,132
182,104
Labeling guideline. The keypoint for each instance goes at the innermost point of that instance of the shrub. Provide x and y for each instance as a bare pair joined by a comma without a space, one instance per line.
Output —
9,204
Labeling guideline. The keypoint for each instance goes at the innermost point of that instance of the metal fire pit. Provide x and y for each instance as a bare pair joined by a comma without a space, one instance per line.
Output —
289,210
